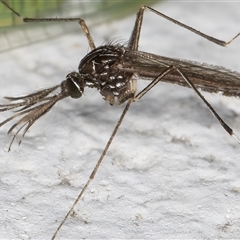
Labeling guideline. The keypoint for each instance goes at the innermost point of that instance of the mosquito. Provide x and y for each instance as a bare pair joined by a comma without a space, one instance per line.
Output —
113,70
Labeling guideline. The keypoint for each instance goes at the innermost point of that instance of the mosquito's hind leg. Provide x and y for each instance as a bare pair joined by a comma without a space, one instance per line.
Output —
189,82
134,39
210,38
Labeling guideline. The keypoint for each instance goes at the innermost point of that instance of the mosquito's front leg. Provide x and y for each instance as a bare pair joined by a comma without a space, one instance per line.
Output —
87,33
79,20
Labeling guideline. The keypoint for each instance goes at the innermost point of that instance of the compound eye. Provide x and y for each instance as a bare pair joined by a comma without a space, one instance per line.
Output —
75,85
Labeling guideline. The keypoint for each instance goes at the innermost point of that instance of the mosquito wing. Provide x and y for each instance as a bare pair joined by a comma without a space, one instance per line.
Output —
204,76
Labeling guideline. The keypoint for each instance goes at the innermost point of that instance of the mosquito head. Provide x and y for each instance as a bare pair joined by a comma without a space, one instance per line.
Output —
35,105
74,85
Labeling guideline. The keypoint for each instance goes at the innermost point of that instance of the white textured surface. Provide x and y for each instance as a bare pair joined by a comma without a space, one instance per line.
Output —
171,172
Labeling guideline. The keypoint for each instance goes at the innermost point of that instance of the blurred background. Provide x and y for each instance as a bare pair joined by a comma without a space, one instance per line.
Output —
15,33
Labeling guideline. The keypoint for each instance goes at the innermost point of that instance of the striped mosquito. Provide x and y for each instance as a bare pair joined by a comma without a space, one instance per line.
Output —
113,70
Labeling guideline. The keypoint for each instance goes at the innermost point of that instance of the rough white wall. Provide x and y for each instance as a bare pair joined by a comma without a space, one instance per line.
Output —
171,172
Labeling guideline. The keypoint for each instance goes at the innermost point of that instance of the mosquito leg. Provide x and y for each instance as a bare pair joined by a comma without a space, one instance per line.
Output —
224,125
210,38
91,177
79,20
134,39
153,83
167,71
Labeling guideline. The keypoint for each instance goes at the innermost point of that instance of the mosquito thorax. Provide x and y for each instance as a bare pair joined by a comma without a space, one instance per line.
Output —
74,85
100,70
